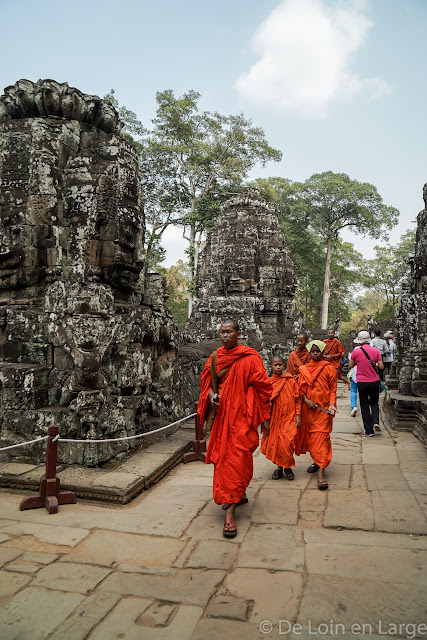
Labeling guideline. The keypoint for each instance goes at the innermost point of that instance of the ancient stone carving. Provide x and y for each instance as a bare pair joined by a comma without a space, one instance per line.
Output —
411,328
79,345
246,272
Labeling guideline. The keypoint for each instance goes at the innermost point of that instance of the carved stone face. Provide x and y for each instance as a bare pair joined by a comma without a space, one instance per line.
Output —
21,263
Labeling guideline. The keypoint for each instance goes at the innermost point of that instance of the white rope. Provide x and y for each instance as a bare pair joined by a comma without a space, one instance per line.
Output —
140,435
22,444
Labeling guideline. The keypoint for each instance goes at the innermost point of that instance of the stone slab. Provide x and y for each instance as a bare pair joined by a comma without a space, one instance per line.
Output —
4,537
413,460
337,475
215,628
385,477
211,527
39,558
71,577
275,595
378,454
384,564
129,619
357,477
129,548
35,612
187,586
23,567
229,608
272,546
57,535
367,538
350,600
87,615
417,480
15,468
351,509
7,555
398,512
278,505
11,582
213,554
311,501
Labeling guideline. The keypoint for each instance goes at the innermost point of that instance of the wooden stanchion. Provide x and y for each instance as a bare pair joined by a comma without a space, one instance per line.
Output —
50,496
199,444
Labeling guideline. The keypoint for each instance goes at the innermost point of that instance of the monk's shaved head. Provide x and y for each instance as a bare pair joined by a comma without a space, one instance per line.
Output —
277,358
233,322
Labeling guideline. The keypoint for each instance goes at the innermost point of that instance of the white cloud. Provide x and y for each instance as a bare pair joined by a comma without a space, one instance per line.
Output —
305,50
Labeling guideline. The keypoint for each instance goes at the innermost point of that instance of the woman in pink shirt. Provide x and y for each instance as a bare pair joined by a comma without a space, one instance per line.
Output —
368,381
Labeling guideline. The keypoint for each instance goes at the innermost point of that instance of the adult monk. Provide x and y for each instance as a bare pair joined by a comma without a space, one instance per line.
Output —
318,384
298,356
244,391
279,445
333,350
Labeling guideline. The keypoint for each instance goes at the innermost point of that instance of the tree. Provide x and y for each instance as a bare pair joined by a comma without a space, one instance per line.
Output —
177,277
309,252
332,202
389,268
204,156
133,130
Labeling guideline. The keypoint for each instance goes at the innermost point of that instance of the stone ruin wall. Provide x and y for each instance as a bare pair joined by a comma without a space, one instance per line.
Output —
245,272
79,344
406,402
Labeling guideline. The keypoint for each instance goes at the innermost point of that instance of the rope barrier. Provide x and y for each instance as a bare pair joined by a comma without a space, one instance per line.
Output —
140,435
22,444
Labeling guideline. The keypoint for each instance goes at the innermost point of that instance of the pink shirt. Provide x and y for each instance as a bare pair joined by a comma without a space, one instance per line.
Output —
365,371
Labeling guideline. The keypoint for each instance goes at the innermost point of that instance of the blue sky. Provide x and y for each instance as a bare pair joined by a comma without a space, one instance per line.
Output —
336,85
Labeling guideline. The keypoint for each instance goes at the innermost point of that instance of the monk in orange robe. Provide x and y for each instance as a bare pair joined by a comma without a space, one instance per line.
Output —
334,350
318,384
299,356
279,445
243,404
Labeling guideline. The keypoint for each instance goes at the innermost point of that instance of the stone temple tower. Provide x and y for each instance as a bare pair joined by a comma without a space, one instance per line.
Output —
80,345
246,272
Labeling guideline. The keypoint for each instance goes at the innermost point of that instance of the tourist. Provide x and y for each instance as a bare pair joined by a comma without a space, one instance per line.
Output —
318,384
351,375
279,445
389,355
382,347
299,356
242,403
368,360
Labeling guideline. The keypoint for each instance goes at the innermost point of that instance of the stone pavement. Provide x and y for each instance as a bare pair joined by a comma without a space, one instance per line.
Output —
159,568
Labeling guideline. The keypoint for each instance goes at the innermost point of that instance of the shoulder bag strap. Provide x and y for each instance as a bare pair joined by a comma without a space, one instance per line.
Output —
214,377
370,362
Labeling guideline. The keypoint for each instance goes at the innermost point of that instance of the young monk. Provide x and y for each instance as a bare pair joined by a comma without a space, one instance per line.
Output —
299,356
243,404
318,384
334,350
279,445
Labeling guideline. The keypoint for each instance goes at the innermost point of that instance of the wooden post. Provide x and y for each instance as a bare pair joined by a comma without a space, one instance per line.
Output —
199,444
50,496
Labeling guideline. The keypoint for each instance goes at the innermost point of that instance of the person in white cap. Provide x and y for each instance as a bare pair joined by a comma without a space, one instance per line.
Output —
368,360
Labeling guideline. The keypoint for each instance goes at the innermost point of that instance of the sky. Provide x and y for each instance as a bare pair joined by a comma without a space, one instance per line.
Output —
336,85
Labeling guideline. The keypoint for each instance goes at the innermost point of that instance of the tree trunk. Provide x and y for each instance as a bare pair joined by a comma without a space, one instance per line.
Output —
192,241
326,282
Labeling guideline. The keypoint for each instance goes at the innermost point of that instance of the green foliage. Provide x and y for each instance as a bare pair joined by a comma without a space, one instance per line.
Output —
133,130
177,278
309,253
384,276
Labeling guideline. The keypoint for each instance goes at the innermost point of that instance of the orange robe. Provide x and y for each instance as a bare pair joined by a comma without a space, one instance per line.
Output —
279,445
296,359
333,348
244,405
318,381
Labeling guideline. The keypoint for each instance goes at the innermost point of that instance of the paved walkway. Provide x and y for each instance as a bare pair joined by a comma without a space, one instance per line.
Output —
329,561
